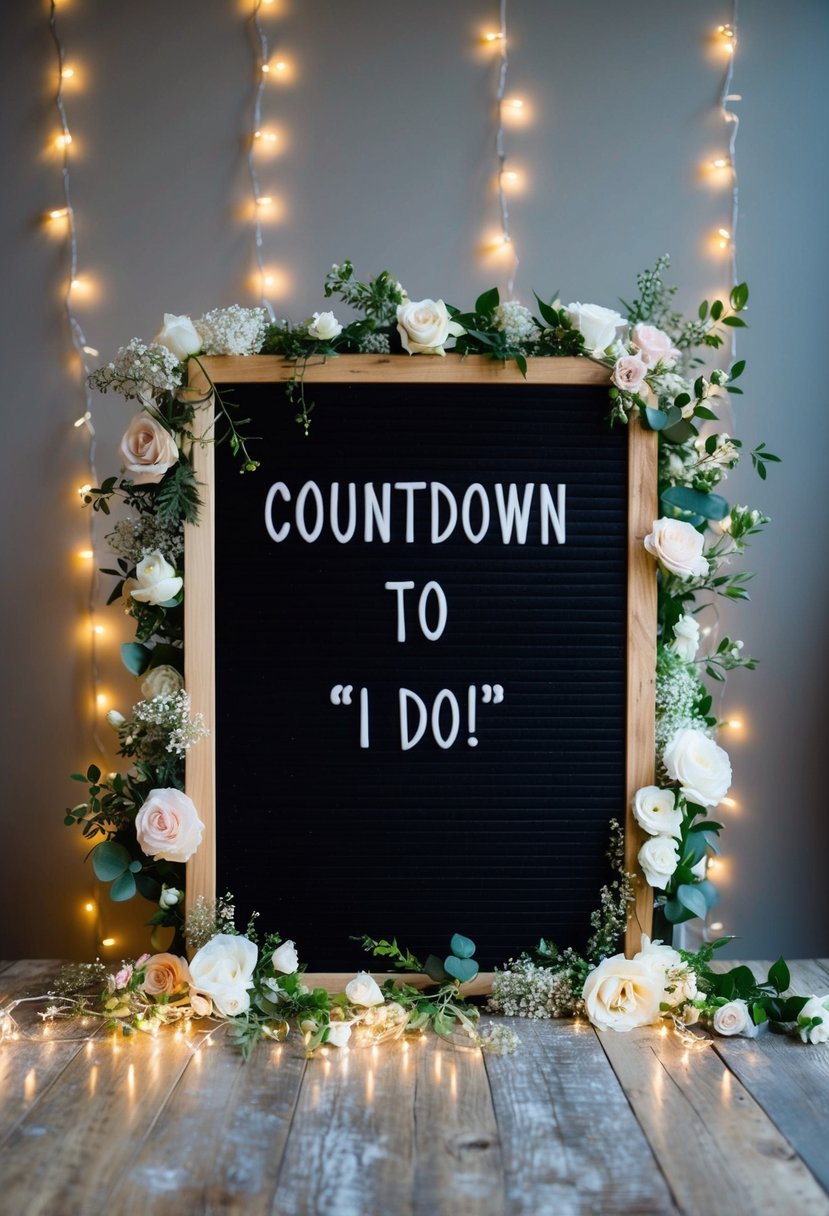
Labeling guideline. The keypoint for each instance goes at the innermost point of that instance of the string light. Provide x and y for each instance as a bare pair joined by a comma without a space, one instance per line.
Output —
108,941
728,235
515,105
261,50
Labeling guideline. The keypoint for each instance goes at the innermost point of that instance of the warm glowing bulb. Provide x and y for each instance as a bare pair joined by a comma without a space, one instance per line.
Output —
63,140
264,200
281,66
493,37
86,554
731,802
99,629
83,490
83,418
720,162
515,103
714,863
108,941
735,723
58,213
91,351
511,176
90,907
717,926
724,233
68,73
101,699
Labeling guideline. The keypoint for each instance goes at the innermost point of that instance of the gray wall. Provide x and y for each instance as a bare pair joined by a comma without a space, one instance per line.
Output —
388,161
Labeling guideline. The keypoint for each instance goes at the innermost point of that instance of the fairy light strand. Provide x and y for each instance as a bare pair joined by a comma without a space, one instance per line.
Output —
500,150
261,53
732,121
83,352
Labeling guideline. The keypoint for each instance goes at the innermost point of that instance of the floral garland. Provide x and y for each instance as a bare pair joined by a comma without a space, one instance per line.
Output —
150,828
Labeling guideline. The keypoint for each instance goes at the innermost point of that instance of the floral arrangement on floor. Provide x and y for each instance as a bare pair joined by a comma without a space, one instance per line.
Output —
144,827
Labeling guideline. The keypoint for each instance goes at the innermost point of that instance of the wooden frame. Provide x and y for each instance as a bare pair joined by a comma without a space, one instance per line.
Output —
641,580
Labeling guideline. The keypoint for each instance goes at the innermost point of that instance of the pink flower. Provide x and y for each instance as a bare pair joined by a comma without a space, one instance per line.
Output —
629,373
123,977
654,345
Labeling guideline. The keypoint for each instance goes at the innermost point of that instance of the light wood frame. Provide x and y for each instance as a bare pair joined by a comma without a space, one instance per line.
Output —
199,605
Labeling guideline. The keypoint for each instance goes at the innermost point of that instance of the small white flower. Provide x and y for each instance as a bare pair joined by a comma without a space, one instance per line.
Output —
338,1034
170,896
285,958
656,811
157,580
685,641
364,990
659,858
598,326
179,335
115,719
324,327
161,681
815,1007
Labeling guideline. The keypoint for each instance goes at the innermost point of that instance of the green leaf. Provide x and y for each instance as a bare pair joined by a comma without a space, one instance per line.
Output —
462,969
521,364
135,657
716,310
110,860
708,891
123,887
93,774
443,1024
657,420
739,296
135,866
488,302
710,506
738,369
434,969
779,976
734,322
702,311
676,913
692,898
462,946
758,1014
680,433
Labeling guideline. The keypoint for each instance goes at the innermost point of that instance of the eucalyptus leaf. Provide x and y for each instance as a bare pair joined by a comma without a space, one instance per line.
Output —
135,657
110,860
462,946
462,969
123,887
710,506
692,898
434,969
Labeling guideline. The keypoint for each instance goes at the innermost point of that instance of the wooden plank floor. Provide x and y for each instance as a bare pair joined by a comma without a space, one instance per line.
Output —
576,1122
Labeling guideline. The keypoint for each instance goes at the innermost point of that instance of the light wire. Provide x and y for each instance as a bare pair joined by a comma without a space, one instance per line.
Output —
261,54
500,149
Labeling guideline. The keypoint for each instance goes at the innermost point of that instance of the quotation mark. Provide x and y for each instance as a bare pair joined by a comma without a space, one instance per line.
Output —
341,694
493,693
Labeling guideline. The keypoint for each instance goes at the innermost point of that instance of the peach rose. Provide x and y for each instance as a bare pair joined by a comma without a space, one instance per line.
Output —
168,826
654,345
147,449
165,974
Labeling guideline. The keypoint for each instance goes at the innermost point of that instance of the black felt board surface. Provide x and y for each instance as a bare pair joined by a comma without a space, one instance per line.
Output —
503,841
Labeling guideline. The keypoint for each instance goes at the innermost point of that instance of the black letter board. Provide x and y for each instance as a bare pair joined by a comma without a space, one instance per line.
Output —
420,692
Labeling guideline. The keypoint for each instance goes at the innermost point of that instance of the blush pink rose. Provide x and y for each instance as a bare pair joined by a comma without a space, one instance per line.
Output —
629,373
148,450
168,826
654,345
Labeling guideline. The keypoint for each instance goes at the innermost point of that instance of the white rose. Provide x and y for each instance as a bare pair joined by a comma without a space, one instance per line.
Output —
678,547
324,326
161,681
659,858
701,767
654,345
115,719
364,990
621,994
815,1007
734,1018
168,826
285,958
179,335
596,325
659,954
170,896
147,449
686,638
338,1034
223,970
629,373
157,581
426,328
656,811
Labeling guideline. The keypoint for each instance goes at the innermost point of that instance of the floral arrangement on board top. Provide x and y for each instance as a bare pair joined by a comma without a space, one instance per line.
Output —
144,828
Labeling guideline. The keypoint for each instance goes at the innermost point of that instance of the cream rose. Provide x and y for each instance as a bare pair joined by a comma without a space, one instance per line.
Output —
701,767
659,858
597,325
338,1034
169,897
161,681
147,449
157,581
656,811
285,958
734,1018
364,990
622,993
179,335
426,328
685,641
679,981
654,345
165,974
815,1007
629,373
678,547
168,826
324,326
223,970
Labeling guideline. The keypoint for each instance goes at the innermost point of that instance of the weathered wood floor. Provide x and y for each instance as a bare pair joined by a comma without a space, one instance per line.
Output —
574,1123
